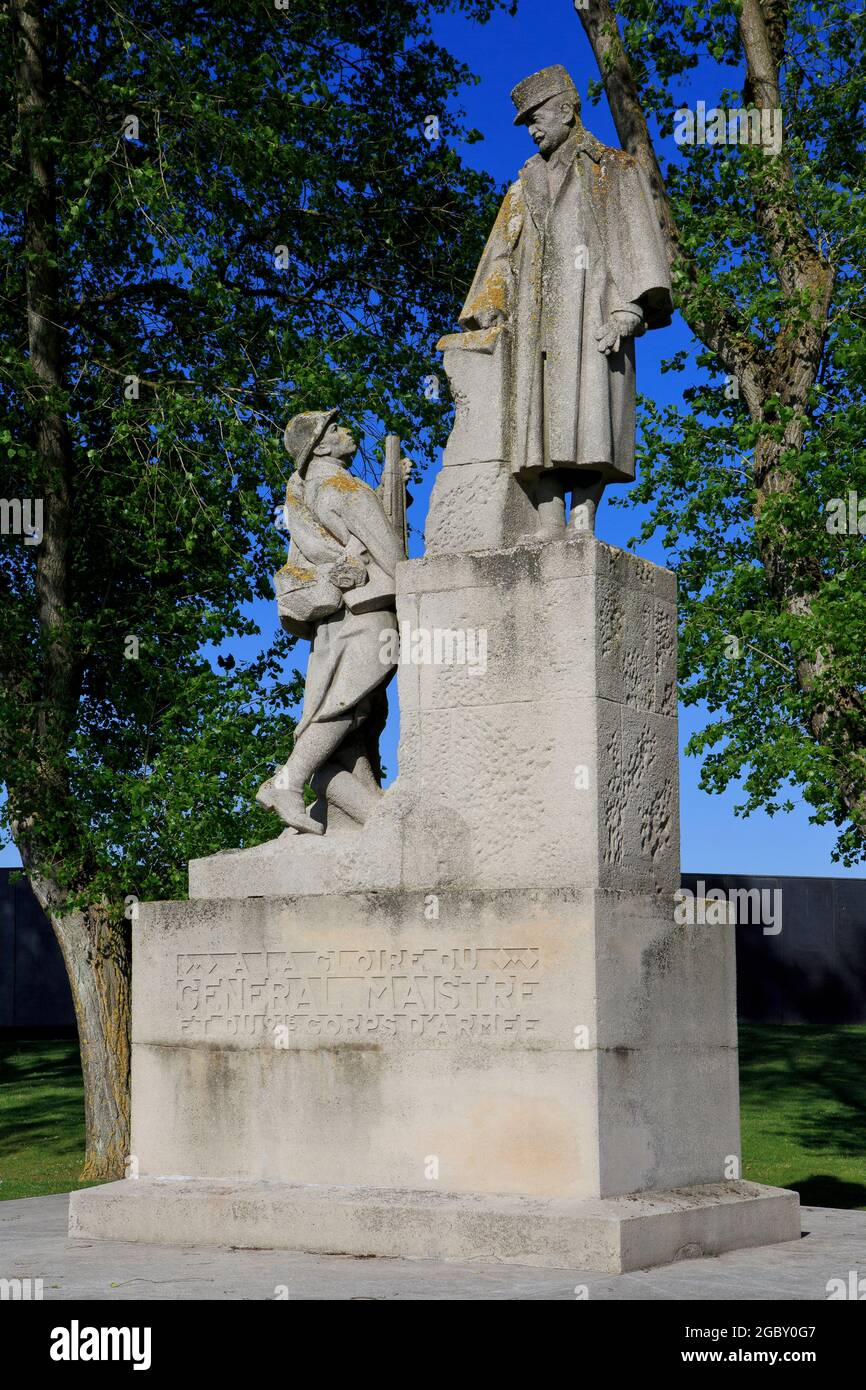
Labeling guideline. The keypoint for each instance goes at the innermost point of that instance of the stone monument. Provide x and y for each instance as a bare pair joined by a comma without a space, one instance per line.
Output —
463,1022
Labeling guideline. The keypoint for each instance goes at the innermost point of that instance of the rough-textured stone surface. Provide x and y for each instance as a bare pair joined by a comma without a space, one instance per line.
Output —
551,1043
611,1236
477,369
468,508
472,1028
476,503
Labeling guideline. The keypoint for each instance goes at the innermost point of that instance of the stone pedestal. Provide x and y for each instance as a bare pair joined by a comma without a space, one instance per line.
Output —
476,502
473,1029
538,736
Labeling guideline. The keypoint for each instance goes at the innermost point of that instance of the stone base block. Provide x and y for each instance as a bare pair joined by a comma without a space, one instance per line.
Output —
545,1044
610,1235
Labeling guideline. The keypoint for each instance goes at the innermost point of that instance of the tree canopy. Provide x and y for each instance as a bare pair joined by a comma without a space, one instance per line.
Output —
768,243
211,217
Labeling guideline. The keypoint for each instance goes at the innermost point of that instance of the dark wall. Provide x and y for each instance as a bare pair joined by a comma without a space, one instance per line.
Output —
814,969
34,991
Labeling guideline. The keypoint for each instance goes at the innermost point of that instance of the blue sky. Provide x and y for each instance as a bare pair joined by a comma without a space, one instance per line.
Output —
502,52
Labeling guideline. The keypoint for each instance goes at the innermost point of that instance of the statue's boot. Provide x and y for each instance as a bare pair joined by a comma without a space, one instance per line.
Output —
549,501
343,789
284,792
288,802
584,506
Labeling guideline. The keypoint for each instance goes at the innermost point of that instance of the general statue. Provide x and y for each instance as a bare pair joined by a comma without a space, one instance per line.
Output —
575,269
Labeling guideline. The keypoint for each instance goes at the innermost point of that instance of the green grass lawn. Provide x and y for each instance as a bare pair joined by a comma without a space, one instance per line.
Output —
803,1110
41,1118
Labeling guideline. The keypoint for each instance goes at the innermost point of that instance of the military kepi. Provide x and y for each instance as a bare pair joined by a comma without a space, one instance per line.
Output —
532,91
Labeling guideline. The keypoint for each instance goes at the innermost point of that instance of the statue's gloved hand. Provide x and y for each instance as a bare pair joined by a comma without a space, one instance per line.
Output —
621,324
485,316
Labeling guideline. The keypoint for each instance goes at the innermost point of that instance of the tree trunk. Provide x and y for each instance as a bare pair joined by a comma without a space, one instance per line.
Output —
96,950
94,943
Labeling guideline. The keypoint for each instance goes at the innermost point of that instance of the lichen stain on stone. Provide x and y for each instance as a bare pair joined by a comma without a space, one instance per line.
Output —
344,482
492,297
511,213
297,572
621,156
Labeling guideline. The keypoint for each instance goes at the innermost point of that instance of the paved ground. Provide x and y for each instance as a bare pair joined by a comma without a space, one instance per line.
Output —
33,1244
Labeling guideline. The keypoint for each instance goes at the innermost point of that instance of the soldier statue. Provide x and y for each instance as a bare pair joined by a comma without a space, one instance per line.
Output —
338,589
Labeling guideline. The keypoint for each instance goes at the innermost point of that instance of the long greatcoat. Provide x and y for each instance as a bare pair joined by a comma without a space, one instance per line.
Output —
576,238
345,665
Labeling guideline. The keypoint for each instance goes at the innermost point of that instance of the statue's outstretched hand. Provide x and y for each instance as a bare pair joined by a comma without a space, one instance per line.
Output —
482,315
620,325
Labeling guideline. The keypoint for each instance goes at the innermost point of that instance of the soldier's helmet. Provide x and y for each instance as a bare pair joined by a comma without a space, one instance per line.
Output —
303,433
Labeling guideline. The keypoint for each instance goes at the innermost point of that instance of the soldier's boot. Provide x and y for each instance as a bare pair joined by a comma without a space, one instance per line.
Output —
284,792
343,789
288,802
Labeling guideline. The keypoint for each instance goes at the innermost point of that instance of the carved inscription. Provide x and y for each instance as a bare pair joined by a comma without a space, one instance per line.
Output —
435,994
